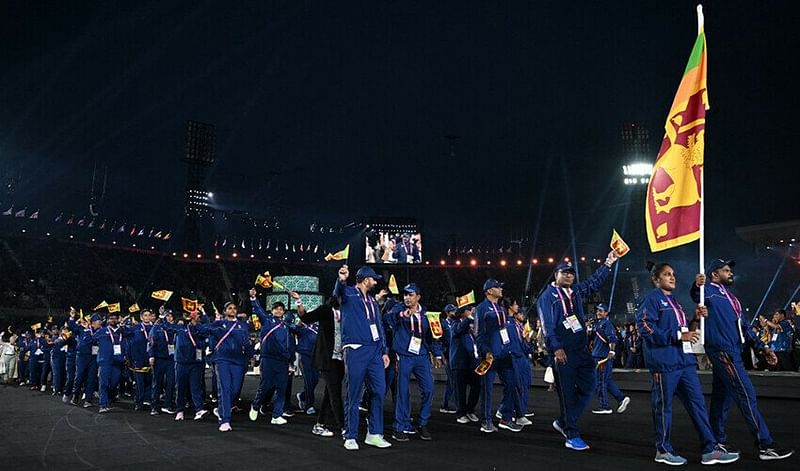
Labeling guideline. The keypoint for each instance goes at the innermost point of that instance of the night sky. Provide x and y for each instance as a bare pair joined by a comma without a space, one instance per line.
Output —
333,111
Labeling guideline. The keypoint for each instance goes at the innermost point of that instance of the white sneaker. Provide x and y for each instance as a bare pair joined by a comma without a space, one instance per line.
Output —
350,444
278,421
462,420
473,418
216,412
523,421
377,441
498,415
253,414
623,405
199,414
43,388
226,427
179,416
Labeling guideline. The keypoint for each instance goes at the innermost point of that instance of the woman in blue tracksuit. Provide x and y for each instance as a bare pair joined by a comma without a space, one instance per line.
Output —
231,351
520,357
190,344
306,339
85,358
668,354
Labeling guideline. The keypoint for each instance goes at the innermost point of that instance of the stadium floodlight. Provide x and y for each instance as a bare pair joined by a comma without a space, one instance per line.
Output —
637,173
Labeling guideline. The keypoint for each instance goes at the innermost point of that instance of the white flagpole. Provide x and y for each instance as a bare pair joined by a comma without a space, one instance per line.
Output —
700,21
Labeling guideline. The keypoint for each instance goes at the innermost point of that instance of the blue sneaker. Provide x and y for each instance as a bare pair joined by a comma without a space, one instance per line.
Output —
559,429
670,459
718,456
576,443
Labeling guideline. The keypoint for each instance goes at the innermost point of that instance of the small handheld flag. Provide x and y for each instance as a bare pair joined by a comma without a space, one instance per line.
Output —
133,308
103,304
393,285
435,323
343,254
618,245
468,298
162,295
114,307
189,305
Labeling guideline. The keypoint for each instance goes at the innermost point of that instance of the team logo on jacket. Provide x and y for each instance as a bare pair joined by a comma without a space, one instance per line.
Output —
664,303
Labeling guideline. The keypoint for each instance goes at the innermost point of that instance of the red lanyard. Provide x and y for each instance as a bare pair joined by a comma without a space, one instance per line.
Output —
563,303
735,304
110,334
679,314
498,310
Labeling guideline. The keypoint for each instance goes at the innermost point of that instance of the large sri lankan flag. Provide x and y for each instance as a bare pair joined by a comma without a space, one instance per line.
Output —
673,205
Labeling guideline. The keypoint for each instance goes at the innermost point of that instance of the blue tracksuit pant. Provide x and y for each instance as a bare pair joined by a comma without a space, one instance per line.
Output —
310,380
732,383
522,368
110,374
466,403
686,385
189,378
229,384
274,377
575,387
420,367
450,388
85,377
364,364
504,368
163,378
606,384
70,382
144,387
59,374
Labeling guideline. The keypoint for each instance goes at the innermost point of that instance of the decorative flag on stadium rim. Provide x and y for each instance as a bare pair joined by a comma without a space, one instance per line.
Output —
393,285
34,215
673,207
161,295
20,213
618,245
114,307
10,211
102,305
468,298
435,323
189,305
343,254
133,308
168,236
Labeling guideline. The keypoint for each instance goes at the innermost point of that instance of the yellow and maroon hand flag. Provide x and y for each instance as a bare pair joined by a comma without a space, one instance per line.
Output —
340,255
134,308
100,306
674,193
393,285
435,323
161,295
264,281
618,245
114,307
468,298
189,305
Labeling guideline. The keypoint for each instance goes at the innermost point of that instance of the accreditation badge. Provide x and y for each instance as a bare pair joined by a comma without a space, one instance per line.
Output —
171,349
504,336
38,351
574,324
95,349
414,345
198,354
687,346
117,349
374,329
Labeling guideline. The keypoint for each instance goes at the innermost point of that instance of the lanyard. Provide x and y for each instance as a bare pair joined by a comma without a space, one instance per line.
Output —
368,307
266,336
144,331
563,303
191,338
735,304
680,316
166,336
500,312
520,330
226,335
419,322
111,334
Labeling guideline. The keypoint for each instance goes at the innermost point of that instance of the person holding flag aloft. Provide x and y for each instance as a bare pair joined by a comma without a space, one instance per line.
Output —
190,345
668,354
520,357
560,309
110,358
726,333
277,350
464,359
161,353
365,354
413,344
85,357
138,343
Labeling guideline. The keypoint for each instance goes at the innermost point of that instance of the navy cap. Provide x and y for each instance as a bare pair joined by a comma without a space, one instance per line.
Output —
450,308
601,307
717,264
367,272
565,266
491,283
96,317
412,288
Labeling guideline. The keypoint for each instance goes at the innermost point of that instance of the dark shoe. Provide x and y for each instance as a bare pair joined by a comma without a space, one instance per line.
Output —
774,453
510,426
424,434
399,437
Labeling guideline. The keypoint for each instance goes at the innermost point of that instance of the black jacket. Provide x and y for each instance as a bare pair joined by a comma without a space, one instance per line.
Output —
323,349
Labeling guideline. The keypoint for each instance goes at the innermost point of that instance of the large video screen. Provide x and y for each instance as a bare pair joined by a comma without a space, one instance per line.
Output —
393,246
